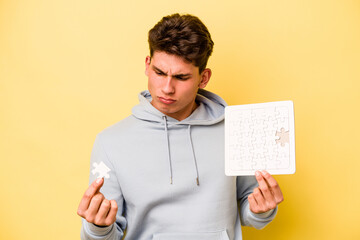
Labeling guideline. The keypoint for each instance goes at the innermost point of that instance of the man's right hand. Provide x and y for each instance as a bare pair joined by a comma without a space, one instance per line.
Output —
95,208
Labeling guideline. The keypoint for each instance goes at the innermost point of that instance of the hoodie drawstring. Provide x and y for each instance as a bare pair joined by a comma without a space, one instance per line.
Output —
168,148
169,156
193,154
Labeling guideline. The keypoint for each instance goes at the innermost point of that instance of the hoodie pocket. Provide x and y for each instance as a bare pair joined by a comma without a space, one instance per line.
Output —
220,235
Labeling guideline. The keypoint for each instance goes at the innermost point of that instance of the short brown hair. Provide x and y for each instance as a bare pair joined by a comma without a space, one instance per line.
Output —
183,35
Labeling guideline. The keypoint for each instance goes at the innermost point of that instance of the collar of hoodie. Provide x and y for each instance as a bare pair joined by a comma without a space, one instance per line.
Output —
210,111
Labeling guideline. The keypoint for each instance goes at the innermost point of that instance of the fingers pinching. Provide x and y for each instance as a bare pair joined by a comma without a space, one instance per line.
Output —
94,206
88,195
274,187
261,201
267,195
264,187
102,213
104,208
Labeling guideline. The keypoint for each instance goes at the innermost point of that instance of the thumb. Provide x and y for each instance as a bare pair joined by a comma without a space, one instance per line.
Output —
98,183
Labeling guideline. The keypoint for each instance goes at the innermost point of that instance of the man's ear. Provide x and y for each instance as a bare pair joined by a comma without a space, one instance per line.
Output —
205,77
147,65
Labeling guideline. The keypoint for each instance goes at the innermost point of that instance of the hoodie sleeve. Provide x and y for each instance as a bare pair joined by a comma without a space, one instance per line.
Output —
111,190
245,186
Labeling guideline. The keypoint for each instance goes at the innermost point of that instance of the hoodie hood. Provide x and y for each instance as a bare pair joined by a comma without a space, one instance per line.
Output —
210,110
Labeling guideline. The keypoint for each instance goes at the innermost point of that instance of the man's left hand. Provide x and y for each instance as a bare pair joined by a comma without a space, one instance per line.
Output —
267,196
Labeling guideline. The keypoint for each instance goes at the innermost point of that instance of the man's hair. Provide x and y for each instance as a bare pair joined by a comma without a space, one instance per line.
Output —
183,35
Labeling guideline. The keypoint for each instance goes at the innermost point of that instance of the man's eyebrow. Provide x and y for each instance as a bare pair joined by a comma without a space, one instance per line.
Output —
181,75
157,69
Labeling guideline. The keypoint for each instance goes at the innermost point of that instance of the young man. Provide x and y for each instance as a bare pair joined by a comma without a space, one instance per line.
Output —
166,160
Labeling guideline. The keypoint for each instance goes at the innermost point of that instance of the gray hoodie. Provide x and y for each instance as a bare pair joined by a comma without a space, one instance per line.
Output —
168,179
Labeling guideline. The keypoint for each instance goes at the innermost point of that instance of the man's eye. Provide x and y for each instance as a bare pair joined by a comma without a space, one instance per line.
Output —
160,73
182,78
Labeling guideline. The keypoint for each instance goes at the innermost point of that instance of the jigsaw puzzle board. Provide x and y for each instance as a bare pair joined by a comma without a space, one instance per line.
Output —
260,136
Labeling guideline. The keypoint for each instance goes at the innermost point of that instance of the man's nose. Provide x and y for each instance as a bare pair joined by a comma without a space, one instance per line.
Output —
169,87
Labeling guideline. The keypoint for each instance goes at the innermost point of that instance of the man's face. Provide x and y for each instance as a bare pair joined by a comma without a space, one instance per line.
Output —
173,84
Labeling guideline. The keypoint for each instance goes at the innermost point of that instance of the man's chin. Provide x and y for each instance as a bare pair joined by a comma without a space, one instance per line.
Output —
165,109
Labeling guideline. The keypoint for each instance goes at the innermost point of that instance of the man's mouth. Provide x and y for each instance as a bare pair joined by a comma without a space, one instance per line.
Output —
166,100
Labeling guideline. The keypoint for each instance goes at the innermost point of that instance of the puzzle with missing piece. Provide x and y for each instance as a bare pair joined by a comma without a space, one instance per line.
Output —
260,136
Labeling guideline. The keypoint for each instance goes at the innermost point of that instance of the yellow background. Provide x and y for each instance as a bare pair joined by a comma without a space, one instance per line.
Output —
68,69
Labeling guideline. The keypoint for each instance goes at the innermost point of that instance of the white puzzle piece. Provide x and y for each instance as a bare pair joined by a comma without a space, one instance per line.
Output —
101,169
260,136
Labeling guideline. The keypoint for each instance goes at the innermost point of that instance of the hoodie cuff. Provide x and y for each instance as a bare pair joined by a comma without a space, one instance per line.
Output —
264,215
96,230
